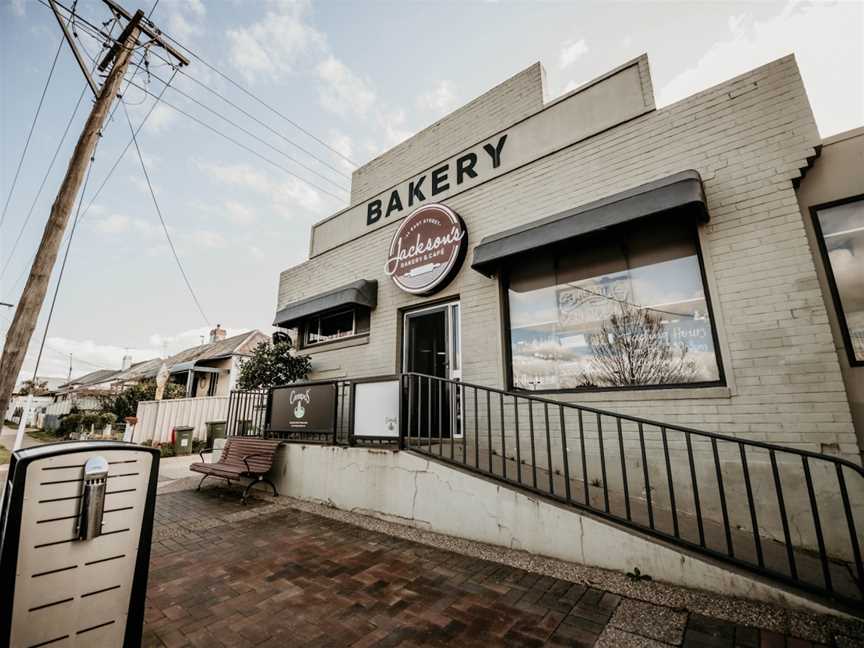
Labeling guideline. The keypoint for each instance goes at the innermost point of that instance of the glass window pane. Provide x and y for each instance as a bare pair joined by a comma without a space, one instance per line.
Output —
331,327
624,310
843,233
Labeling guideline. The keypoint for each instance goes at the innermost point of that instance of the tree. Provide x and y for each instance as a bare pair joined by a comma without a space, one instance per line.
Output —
35,386
126,402
273,364
632,348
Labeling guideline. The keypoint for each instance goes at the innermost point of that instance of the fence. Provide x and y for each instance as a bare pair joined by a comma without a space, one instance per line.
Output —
156,419
788,514
247,416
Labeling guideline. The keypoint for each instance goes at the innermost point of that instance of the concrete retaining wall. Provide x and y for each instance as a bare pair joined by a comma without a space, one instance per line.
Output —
405,488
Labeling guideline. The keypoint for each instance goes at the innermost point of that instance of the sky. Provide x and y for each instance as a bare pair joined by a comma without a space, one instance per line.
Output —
358,76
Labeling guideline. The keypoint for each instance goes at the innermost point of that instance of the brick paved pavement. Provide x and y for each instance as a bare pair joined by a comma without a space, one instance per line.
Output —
227,575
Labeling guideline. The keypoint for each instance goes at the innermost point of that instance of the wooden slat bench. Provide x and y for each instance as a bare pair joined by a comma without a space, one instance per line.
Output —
249,457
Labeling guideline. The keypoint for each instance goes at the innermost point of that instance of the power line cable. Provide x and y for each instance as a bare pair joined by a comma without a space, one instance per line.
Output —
252,117
230,80
250,94
42,184
161,218
108,175
63,264
65,354
72,20
30,133
251,134
245,147
128,144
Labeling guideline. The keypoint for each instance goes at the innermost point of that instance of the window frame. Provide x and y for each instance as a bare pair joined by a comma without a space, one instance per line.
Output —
829,273
507,341
319,316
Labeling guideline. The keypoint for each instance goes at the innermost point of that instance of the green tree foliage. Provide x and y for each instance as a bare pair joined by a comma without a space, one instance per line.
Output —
125,403
36,387
84,422
273,364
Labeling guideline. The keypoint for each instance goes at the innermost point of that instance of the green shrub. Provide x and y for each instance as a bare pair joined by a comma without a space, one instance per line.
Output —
68,424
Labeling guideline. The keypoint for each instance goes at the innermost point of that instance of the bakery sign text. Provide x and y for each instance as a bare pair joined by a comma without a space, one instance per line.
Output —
437,181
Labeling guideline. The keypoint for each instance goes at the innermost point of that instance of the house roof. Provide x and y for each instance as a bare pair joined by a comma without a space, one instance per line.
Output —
235,345
140,371
92,378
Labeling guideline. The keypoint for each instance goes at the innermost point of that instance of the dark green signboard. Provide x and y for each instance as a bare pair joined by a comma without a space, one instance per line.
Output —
307,408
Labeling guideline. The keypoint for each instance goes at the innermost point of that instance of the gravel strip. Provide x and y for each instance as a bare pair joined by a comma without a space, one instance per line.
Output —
652,621
615,638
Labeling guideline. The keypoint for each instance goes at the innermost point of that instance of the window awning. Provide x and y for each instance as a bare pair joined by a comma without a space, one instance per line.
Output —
358,293
191,366
680,190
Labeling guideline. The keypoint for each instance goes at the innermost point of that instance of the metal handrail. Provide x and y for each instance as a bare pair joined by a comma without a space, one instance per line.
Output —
841,571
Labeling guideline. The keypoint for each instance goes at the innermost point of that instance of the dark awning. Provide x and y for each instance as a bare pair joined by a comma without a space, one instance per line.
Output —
679,190
357,293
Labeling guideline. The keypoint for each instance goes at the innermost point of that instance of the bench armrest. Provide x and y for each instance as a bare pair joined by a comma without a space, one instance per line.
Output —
255,454
203,452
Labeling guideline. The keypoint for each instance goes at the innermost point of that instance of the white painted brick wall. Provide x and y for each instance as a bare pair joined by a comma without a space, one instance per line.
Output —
748,137
506,103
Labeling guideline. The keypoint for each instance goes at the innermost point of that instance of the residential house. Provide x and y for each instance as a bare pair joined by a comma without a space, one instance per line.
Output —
209,369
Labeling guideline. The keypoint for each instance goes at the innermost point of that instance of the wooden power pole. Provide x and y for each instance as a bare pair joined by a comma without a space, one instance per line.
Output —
30,304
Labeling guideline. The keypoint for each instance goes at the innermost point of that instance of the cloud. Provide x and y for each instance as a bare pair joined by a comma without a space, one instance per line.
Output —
572,51
754,42
113,224
160,119
342,143
276,44
440,100
180,28
285,196
175,342
206,238
87,356
570,86
238,213
341,90
393,125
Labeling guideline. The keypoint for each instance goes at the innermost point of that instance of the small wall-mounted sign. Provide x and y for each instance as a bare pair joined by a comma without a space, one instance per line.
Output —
376,409
427,249
304,408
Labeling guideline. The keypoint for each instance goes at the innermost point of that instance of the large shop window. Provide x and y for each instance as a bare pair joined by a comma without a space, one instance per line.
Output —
625,308
841,228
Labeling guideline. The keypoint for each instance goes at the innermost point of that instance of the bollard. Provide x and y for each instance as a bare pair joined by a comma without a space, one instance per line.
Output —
75,533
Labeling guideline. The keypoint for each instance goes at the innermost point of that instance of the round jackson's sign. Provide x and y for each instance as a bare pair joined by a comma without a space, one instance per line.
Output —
427,249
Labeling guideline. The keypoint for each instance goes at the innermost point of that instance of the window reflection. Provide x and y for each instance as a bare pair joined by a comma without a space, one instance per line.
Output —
843,233
330,327
622,310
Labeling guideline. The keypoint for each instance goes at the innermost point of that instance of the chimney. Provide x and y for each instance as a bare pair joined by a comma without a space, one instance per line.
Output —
217,334
126,363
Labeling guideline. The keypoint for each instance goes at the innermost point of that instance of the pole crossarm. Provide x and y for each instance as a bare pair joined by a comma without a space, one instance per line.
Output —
32,298
150,30
93,86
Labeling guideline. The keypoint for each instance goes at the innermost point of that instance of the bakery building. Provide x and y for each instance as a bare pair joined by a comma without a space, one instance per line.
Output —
598,250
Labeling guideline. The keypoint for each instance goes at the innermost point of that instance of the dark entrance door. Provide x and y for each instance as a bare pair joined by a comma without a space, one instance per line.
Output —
427,353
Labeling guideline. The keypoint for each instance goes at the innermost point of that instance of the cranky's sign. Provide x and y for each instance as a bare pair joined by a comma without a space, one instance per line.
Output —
427,249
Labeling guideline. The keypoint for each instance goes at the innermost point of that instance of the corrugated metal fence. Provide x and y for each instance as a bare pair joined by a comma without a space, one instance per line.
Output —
156,419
